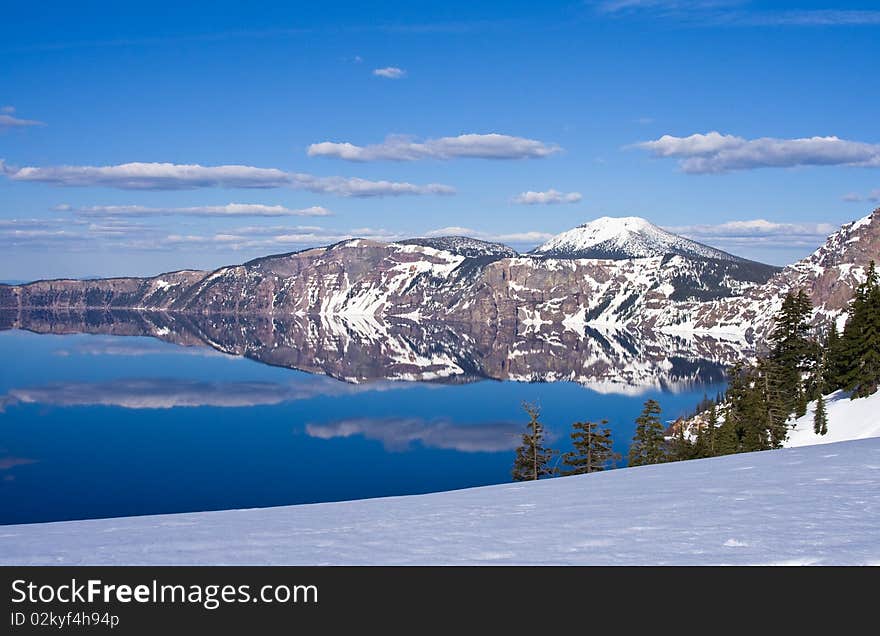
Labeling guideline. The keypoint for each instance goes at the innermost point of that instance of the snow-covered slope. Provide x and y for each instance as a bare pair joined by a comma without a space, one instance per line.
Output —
811,505
847,419
464,246
625,237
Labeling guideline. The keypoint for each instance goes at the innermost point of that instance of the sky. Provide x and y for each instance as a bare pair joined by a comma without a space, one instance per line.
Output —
146,138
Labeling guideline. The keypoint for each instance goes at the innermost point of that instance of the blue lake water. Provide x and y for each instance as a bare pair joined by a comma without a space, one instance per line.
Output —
103,426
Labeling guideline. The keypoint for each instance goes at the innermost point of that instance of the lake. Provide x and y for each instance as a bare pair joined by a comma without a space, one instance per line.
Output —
183,414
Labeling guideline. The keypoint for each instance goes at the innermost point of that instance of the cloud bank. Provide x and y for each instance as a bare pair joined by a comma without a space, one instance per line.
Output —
758,232
735,13
403,148
9,120
228,210
170,176
854,197
714,152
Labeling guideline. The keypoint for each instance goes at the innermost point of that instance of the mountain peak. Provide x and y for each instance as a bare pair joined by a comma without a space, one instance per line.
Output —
624,237
464,246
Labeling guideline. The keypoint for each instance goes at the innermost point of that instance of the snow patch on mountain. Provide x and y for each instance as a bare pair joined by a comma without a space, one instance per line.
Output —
464,246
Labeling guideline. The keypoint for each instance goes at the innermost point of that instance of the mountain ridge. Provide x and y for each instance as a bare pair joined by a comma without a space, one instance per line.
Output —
414,281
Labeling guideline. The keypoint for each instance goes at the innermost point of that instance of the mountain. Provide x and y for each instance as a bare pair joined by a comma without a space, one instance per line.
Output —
467,282
464,246
829,276
623,238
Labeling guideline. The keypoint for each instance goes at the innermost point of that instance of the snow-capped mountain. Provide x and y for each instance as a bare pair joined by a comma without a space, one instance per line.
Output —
464,246
619,238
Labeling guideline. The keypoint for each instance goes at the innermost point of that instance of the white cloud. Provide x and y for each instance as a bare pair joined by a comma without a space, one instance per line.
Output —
714,152
268,238
169,176
403,148
389,72
631,6
122,233
153,176
736,13
9,120
550,196
808,17
356,187
758,232
228,210
873,196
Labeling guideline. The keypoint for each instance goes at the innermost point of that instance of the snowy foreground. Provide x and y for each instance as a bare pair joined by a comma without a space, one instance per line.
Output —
809,505
847,419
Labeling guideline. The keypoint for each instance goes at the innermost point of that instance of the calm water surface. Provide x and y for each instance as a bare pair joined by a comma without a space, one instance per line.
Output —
103,426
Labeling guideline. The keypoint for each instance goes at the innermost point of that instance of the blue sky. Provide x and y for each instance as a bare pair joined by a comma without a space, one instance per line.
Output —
445,114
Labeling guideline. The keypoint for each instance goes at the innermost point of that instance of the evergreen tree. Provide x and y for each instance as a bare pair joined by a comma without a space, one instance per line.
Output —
792,352
770,404
648,445
860,343
728,439
820,418
592,449
755,419
835,363
532,456
707,434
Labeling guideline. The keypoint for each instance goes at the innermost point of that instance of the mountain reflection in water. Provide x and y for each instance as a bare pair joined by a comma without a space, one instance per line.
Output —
131,413
361,350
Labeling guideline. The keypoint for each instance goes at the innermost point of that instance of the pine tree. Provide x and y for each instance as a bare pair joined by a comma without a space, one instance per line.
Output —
768,380
792,350
835,363
860,343
708,434
728,441
820,417
592,449
648,445
533,458
752,409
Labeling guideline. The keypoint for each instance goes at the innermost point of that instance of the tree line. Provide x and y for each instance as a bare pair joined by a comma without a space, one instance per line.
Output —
801,365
